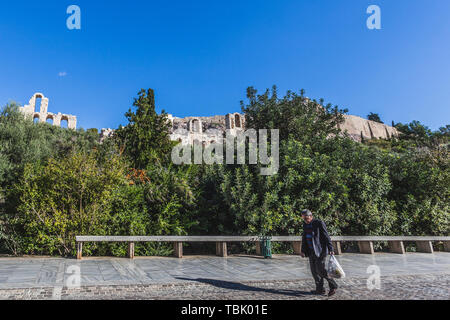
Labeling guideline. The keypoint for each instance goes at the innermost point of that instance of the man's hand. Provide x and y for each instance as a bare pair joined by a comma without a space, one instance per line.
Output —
302,254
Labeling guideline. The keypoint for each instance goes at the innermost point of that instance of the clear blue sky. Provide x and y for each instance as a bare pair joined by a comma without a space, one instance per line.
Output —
200,56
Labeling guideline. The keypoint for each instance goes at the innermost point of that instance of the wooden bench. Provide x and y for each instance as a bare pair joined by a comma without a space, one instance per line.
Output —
365,243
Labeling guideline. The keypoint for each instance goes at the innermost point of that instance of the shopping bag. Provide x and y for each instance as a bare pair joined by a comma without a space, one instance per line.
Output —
334,268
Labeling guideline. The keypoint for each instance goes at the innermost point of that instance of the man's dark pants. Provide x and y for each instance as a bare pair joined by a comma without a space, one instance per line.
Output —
319,272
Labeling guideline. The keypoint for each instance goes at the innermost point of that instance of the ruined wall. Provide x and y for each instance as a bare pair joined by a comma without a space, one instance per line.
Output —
205,130
212,129
43,115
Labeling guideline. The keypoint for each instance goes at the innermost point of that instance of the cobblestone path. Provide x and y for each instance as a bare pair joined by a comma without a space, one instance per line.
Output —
421,287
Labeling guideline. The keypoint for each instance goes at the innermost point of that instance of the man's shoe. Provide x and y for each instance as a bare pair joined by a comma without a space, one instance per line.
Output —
321,292
332,292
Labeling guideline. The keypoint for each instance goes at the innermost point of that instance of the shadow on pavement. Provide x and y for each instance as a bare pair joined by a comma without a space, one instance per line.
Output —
243,287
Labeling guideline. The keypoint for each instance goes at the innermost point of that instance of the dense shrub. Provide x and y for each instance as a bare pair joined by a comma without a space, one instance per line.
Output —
57,183
62,199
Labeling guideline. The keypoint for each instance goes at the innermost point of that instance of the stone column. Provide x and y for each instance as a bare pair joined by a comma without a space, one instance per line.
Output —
44,105
72,122
57,120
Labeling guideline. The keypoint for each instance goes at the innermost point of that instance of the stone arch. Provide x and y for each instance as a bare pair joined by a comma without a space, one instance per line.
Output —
36,116
66,119
237,120
44,102
38,103
195,125
50,117
44,115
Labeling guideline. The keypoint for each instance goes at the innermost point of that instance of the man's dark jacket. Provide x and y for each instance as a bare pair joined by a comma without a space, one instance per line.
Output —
321,241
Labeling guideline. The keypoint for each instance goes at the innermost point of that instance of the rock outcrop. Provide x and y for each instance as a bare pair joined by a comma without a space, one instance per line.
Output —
358,128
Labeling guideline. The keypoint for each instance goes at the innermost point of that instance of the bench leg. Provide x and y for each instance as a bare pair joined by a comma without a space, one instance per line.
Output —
79,250
221,249
178,248
447,246
396,247
366,247
258,248
224,249
337,247
424,246
297,245
131,250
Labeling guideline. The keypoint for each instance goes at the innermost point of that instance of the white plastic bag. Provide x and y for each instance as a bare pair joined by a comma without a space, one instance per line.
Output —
334,268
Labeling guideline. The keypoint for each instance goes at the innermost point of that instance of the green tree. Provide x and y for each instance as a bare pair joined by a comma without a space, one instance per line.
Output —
23,142
62,199
374,117
296,116
145,139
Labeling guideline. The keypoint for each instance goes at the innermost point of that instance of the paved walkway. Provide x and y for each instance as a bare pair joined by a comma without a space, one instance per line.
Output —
409,276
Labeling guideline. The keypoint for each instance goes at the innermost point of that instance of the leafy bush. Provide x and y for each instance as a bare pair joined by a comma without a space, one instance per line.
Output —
65,198
57,183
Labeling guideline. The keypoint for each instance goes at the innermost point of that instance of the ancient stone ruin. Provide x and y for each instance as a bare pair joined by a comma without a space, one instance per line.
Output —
43,115
207,130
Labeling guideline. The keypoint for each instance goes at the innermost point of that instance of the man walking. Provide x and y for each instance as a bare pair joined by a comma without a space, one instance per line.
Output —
316,245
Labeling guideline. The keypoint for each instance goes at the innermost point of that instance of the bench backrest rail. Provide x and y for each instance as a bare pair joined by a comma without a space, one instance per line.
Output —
365,243
249,238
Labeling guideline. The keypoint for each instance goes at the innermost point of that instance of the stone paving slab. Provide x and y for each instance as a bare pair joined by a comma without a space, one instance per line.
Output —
38,273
